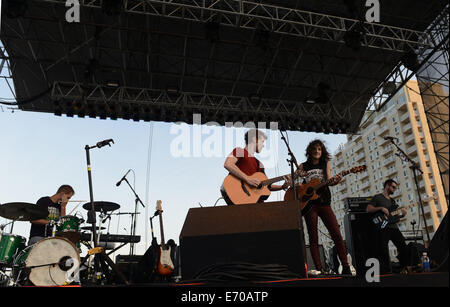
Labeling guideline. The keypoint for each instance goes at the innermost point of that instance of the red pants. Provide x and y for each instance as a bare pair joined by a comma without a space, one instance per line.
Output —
329,220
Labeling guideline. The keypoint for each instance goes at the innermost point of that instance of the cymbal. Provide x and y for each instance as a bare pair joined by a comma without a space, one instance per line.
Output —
102,206
23,211
90,228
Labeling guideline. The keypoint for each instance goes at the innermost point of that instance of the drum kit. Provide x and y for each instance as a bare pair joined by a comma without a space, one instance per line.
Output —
50,261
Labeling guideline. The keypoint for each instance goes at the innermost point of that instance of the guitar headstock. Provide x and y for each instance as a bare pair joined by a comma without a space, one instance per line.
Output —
158,205
358,169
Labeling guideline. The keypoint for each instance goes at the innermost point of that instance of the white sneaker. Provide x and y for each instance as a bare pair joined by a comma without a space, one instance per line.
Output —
314,272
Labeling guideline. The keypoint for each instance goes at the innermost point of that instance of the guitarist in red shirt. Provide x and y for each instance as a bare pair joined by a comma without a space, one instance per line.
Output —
242,163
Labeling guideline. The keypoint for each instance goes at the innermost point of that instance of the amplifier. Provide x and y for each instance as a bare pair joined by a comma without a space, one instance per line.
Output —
356,204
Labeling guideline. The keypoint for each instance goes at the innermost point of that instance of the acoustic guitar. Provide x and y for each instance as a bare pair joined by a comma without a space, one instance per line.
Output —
237,192
308,191
165,265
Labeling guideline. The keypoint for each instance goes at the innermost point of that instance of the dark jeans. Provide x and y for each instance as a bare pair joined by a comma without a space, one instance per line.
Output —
328,218
394,235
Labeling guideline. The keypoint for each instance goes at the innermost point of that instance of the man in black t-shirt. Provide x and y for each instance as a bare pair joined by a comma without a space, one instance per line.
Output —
56,206
383,202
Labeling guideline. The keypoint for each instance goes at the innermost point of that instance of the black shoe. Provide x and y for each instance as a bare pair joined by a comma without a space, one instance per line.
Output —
346,271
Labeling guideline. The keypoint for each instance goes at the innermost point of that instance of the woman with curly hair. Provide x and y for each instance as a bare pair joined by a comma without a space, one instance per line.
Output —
317,165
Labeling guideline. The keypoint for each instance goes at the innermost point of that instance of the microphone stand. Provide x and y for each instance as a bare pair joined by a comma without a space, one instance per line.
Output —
415,167
99,258
291,162
134,216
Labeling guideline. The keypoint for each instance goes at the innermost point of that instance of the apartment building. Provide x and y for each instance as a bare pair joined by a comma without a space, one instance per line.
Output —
403,117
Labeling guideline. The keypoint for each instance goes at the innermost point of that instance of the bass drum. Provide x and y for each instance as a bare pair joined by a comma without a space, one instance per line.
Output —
49,262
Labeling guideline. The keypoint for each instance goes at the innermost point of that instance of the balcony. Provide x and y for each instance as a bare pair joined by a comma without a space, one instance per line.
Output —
360,157
404,118
407,128
365,185
410,139
383,129
342,187
387,150
363,175
412,151
391,171
380,119
388,161
358,147
339,161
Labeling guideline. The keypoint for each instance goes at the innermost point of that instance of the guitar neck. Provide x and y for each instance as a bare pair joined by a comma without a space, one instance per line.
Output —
163,241
275,179
325,183
395,212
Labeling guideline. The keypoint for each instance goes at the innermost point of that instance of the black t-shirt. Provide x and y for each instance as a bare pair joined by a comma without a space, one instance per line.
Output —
54,212
318,171
380,200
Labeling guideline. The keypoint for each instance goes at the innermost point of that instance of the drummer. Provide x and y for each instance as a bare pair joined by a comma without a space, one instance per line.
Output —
56,206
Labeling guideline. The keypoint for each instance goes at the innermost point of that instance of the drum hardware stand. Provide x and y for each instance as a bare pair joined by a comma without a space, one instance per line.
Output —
133,216
99,258
415,167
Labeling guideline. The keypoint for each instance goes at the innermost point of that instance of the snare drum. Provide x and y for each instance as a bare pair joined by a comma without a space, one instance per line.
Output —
10,246
68,226
36,263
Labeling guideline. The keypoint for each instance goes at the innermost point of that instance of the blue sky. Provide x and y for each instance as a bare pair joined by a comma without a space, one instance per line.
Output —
41,151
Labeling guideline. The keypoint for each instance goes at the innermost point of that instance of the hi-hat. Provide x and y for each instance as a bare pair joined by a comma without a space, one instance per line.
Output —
23,211
102,206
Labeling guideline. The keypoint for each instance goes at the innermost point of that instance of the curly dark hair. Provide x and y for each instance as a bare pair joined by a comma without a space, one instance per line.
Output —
325,154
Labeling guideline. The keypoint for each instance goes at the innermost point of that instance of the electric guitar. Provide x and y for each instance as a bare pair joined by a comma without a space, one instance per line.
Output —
165,265
237,192
381,220
308,191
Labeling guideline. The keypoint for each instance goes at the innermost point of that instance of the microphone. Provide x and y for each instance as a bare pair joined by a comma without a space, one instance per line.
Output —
123,178
389,138
104,143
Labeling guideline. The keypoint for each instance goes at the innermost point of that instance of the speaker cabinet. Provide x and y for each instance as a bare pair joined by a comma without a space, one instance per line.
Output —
360,240
439,246
263,233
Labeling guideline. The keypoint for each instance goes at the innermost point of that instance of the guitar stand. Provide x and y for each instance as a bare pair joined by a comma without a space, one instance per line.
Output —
101,260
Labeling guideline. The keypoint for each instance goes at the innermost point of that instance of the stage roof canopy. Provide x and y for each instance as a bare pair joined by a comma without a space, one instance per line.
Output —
308,65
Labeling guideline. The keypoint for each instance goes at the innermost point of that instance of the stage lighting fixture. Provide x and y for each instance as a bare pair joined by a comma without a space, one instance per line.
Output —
353,37
389,87
112,7
410,60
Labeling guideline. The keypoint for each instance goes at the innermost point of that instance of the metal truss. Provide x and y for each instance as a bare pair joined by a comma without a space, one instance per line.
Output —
277,19
104,101
400,75
433,81
6,76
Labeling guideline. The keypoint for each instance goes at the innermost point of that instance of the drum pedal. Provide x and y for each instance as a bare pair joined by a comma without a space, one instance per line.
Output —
95,250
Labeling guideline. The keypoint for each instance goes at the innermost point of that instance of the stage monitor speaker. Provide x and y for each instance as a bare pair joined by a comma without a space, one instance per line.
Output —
439,247
359,238
263,233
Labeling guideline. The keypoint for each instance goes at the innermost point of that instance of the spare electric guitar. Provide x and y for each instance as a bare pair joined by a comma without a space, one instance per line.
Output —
165,265
382,220
308,191
237,192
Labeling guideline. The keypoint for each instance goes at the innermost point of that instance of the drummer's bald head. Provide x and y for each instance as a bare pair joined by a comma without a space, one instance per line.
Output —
66,189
